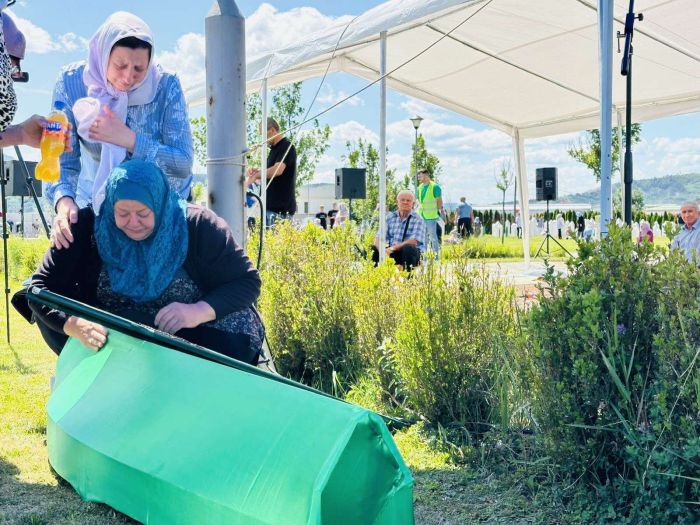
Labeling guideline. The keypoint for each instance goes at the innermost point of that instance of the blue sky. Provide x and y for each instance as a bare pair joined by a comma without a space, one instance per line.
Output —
470,152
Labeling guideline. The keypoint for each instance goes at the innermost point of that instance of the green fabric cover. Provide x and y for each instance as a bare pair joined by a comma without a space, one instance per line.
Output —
169,438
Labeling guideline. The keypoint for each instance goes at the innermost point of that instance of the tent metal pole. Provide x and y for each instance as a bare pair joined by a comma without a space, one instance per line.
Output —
523,193
263,152
382,145
224,30
605,28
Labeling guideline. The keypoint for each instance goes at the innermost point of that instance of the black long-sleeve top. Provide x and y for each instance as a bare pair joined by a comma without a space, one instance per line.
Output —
214,261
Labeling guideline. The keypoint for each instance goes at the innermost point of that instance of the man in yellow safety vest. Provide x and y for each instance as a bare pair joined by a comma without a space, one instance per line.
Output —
430,206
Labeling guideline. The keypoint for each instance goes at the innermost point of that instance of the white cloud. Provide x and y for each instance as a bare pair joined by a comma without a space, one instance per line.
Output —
41,42
673,156
329,96
414,106
267,28
187,59
352,131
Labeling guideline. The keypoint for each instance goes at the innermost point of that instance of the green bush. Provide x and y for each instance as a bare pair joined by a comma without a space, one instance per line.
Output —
376,313
452,346
616,383
308,280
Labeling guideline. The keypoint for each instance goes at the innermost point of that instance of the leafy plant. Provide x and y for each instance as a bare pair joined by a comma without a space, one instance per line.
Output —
455,326
615,348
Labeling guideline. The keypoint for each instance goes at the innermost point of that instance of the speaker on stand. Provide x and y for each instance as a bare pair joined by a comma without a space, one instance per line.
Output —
350,184
546,190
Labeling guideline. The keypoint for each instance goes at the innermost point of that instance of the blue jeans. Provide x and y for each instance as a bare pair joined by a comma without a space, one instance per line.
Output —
431,227
271,217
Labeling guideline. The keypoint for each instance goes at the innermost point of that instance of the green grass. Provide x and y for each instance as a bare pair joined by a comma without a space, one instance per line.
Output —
29,491
510,249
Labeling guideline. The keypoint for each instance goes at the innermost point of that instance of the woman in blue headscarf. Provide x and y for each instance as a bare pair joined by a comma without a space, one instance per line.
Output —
154,259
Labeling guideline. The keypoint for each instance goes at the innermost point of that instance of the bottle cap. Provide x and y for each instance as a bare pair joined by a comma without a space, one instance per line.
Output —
59,105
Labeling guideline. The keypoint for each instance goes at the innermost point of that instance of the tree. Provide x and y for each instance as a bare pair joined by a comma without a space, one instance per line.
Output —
504,179
637,201
199,139
311,143
362,154
422,159
588,150
198,192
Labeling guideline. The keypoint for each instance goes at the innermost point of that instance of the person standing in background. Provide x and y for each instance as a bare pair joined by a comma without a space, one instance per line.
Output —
322,216
281,175
332,213
430,200
465,217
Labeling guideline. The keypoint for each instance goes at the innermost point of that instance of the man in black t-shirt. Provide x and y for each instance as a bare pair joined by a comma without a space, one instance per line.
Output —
281,175
332,213
321,216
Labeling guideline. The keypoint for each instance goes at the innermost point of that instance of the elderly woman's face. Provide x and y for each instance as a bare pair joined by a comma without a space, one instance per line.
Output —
127,67
134,218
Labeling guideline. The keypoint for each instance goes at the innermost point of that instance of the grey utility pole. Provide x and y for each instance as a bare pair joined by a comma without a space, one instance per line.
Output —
224,31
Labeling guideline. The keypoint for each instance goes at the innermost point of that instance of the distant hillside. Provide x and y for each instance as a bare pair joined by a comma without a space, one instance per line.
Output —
663,190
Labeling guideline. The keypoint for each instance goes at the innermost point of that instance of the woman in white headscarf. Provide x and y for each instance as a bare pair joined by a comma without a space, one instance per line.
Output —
124,107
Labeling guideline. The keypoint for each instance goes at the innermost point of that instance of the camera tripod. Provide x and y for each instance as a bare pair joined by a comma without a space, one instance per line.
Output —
547,236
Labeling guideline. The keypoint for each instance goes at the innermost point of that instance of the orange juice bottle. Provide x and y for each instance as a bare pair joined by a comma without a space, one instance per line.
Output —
53,142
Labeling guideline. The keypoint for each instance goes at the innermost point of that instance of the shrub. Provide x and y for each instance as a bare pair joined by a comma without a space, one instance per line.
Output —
308,280
617,388
455,326
375,309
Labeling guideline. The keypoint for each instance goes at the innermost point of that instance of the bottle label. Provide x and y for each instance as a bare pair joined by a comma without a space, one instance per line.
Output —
54,127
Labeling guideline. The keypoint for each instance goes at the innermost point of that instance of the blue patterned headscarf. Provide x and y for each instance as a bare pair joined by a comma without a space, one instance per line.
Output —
142,270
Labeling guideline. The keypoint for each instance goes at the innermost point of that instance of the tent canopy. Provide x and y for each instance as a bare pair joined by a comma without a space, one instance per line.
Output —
531,66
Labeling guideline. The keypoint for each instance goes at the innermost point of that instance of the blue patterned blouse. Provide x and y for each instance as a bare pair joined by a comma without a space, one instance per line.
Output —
162,132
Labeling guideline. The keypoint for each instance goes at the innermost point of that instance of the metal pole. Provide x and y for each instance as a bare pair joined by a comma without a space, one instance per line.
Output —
605,27
519,154
263,152
415,161
224,30
30,187
628,145
3,180
620,158
382,144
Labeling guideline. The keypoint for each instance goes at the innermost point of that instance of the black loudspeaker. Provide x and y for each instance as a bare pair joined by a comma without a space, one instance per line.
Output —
17,181
546,184
350,183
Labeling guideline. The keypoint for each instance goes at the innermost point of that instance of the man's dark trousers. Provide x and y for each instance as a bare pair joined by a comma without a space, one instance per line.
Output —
408,256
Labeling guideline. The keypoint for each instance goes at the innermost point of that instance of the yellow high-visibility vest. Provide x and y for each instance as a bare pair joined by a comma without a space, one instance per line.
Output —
428,203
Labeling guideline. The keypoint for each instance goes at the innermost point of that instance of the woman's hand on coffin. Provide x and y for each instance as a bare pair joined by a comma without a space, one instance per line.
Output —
176,316
92,335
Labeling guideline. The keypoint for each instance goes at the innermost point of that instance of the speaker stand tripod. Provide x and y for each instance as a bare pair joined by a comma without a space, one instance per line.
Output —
5,235
4,180
29,181
547,236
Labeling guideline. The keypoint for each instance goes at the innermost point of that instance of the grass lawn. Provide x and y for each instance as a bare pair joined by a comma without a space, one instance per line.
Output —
31,494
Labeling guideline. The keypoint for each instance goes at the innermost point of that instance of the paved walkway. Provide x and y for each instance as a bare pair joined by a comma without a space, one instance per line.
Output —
522,274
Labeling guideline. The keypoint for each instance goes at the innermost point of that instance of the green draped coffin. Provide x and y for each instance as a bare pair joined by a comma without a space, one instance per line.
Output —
170,438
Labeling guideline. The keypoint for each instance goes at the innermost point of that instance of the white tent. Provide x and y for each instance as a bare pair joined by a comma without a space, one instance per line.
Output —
528,68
